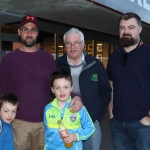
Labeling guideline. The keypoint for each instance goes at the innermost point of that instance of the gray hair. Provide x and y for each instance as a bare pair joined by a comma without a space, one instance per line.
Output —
74,30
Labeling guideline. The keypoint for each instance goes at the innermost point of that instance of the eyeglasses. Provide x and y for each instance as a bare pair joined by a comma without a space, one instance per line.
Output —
26,30
124,61
69,44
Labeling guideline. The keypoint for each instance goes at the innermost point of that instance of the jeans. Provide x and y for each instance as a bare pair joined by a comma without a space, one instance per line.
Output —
93,143
130,135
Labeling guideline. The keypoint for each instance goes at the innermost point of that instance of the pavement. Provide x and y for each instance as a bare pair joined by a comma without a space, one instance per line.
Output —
106,142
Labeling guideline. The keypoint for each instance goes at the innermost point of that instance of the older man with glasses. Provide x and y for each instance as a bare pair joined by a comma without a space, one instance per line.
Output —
89,81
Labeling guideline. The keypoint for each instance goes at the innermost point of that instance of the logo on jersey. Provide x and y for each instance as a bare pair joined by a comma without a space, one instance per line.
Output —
73,117
52,116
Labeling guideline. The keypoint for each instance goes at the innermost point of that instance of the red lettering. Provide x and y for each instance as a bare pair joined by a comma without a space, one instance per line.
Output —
29,17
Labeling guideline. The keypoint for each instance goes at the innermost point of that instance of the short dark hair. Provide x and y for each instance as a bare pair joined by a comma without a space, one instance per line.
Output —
130,15
61,74
10,98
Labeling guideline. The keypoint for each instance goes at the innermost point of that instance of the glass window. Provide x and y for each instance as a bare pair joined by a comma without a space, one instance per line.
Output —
89,46
103,49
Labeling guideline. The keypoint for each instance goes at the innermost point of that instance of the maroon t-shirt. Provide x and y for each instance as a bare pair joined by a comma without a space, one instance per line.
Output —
28,75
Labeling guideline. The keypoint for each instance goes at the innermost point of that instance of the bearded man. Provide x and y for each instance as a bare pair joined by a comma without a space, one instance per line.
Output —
128,70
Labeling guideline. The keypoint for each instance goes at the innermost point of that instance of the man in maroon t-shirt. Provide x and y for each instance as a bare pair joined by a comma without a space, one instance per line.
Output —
26,72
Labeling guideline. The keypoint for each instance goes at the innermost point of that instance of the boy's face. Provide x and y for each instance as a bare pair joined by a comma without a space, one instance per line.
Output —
62,89
8,112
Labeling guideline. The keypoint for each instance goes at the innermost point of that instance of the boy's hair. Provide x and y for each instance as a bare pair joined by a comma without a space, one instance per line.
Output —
130,15
9,98
61,74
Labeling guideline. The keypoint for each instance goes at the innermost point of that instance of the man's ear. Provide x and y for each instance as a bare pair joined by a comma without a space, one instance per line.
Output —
140,29
19,32
83,45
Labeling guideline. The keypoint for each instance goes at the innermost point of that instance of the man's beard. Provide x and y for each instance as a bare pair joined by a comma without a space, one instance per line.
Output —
28,44
126,40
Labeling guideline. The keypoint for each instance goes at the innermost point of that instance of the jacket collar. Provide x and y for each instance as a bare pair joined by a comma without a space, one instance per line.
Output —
63,59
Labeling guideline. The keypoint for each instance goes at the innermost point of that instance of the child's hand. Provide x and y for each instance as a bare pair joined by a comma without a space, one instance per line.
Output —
70,138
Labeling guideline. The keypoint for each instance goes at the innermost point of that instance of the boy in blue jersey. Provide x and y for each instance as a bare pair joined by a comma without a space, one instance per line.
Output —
79,125
8,109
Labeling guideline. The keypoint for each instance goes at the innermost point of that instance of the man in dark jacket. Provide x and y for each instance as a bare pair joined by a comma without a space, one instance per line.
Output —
89,79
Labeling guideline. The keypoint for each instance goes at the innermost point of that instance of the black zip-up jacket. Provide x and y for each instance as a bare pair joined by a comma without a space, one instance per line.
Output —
94,85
